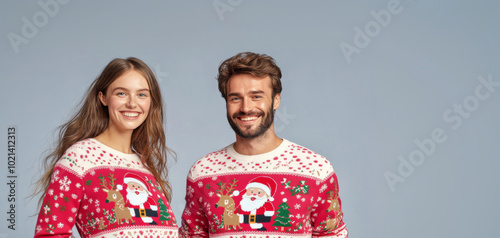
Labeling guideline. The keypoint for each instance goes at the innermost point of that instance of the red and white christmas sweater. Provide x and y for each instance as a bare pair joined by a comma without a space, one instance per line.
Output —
93,185
288,192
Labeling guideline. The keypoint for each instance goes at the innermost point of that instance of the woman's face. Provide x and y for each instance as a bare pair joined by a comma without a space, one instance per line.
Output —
128,100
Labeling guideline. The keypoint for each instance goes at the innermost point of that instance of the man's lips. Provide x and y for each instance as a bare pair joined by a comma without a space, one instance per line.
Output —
136,192
253,198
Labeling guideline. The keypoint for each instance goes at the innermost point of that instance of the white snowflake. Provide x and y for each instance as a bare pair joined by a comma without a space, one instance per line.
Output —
47,220
98,210
70,219
46,209
78,185
298,196
55,176
188,221
190,191
92,172
54,217
331,180
56,205
61,195
85,207
55,198
64,184
214,178
323,188
60,225
90,200
96,189
211,193
97,203
38,228
74,196
187,212
282,192
51,192
303,199
317,183
297,206
200,184
73,210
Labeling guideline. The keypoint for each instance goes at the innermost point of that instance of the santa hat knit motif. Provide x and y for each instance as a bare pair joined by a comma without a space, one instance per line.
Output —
265,183
130,177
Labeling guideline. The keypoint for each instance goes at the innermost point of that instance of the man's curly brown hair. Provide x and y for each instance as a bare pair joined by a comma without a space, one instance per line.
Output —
257,65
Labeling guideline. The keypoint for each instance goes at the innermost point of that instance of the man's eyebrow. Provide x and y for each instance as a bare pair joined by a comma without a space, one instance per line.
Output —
257,92
233,94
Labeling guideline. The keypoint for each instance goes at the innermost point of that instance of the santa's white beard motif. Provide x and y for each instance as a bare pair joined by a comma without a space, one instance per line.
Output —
247,204
137,199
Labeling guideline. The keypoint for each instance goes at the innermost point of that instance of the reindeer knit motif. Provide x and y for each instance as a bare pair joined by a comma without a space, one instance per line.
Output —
288,192
105,193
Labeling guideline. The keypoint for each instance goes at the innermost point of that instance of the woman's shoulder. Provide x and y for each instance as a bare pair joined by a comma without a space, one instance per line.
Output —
78,153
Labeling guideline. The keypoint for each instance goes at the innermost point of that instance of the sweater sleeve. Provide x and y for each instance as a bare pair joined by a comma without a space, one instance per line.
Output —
60,205
194,220
327,212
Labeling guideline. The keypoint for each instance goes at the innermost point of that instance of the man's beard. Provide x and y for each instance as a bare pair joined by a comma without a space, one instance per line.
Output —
247,204
267,121
136,199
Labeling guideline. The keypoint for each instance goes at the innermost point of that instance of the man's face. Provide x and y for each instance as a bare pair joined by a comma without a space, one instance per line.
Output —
250,105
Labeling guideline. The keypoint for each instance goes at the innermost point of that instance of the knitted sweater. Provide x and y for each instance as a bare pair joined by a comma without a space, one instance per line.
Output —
288,192
106,193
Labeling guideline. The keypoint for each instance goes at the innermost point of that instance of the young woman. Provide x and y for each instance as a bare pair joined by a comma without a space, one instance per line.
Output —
108,172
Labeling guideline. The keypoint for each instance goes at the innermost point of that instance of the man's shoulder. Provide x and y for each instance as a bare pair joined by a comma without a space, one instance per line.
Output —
201,164
299,150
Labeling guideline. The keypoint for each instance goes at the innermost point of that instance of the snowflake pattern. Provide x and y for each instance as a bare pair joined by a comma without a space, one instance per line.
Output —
64,184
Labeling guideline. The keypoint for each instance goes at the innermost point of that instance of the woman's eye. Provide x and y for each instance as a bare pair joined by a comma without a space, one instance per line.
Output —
121,94
142,95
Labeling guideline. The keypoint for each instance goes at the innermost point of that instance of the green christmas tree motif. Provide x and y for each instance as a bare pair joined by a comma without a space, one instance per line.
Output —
283,216
302,188
164,215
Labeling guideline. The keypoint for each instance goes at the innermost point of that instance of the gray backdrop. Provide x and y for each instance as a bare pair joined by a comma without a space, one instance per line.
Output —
401,96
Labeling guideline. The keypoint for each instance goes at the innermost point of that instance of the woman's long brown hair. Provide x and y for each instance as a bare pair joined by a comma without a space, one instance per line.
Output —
148,140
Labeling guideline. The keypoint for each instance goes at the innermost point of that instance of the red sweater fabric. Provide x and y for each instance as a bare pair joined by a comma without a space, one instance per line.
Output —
288,192
105,193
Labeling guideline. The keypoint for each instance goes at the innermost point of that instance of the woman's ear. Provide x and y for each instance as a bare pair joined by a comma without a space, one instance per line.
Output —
103,99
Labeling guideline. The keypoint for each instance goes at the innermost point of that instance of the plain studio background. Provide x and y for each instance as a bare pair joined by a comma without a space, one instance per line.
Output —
401,96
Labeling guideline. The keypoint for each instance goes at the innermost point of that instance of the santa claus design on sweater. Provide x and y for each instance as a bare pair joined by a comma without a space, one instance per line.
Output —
255,206
139,200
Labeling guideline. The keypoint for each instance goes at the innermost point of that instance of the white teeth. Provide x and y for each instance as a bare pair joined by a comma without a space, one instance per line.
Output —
130,114
248,118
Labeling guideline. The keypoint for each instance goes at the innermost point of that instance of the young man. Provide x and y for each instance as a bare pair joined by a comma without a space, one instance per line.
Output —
261,185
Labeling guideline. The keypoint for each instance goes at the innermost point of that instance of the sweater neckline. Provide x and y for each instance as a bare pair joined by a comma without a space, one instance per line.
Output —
279,150
114,151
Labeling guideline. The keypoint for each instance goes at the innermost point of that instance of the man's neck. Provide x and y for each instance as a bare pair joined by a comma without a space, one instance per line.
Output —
259,145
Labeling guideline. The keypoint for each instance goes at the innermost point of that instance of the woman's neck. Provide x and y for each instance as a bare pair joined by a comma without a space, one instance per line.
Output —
116,140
